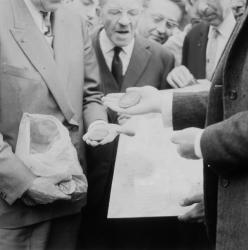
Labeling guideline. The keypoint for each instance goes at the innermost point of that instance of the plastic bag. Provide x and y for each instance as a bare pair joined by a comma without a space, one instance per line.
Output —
44,145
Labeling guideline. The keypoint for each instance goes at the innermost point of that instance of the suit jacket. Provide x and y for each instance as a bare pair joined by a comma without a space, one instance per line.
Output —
36,79
224,145
149,65
194,50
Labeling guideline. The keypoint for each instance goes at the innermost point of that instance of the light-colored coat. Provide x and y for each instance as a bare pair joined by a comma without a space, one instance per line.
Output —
35,78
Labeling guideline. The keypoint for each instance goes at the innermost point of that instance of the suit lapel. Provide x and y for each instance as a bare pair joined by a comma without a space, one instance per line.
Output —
138,62
109,84
36,48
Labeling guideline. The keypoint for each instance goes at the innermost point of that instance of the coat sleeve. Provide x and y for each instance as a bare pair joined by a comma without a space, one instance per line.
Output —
225,144
169,64
15,177
92,105
189,109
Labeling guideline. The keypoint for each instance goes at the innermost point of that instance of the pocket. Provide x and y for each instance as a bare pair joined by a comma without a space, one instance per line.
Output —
20,72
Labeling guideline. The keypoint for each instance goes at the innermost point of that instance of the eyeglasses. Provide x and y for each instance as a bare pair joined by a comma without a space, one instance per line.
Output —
169,23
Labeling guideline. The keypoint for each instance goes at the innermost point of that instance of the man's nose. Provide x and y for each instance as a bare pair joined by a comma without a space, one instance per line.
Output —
124,19
161,27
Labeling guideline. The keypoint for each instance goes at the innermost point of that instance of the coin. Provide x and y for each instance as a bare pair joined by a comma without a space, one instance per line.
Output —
67,187
98,134
129,99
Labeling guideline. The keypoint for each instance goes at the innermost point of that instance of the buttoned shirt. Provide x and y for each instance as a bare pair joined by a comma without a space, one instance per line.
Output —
224,30
107,47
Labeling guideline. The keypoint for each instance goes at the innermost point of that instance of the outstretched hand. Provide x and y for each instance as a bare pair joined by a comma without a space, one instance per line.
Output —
150,101
111,131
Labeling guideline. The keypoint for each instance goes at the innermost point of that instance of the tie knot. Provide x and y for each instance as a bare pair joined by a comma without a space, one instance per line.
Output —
44,14
117,50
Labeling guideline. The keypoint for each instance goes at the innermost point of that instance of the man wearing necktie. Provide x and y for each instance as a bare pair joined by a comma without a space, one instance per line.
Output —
205,43
125,60
45,68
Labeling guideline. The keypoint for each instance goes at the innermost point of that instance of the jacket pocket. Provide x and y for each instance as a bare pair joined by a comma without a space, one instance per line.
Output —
20,72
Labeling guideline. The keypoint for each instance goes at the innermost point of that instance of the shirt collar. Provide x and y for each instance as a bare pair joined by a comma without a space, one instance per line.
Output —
107,45
226,27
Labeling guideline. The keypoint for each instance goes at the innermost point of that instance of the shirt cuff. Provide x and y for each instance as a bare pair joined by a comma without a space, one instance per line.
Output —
167,98
97,122
197,145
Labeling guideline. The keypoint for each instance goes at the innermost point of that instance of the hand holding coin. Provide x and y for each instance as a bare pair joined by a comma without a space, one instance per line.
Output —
136,101
103,133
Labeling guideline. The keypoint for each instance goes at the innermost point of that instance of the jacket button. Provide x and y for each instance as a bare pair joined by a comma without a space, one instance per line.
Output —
233,94
225,183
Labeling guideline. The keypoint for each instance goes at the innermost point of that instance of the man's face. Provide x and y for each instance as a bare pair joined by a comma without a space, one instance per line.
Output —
161,18
213,11
120,19
238,7
89,11
47,5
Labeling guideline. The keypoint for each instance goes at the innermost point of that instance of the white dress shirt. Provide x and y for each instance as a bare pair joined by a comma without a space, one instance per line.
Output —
38,19
107,47
224,30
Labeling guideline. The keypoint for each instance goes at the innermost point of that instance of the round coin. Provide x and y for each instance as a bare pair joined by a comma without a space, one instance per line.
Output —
129,99
98,134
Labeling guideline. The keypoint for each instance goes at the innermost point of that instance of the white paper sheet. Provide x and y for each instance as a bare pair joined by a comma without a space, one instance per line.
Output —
150,178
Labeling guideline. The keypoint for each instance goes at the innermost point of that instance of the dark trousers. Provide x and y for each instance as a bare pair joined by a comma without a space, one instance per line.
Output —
56,234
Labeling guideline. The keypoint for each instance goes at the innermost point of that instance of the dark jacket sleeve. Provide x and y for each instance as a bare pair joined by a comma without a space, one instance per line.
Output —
189,109
225,144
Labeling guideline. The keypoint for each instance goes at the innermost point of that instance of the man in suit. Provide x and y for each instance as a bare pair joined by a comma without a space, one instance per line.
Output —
45,68
222,144
139,62
143,63
205,43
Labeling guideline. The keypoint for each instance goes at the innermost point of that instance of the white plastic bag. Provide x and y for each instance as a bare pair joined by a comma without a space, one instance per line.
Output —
44,145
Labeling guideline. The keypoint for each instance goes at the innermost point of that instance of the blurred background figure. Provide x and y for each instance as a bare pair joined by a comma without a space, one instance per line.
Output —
160,19
238,8
87,10
205,43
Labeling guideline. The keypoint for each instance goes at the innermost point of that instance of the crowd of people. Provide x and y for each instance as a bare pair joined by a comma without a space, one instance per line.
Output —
60,57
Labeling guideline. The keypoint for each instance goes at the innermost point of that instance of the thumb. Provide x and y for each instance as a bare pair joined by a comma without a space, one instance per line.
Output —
175,138
192,200
125,130
60,177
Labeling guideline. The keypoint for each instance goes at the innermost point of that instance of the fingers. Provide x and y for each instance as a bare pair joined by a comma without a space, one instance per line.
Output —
125,130
180,77
59,178
176,137
194,215
197,198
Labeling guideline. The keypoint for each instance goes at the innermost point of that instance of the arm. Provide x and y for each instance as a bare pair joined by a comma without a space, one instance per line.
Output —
169,63
92,106
225,144
15,177
189,109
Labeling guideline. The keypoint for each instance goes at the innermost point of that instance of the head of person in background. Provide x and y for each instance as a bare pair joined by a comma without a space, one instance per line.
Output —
191,12
238,7
89,11
214,12
161,18
120,19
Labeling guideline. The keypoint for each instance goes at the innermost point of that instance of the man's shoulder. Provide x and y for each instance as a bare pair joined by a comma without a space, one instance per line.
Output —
156,49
